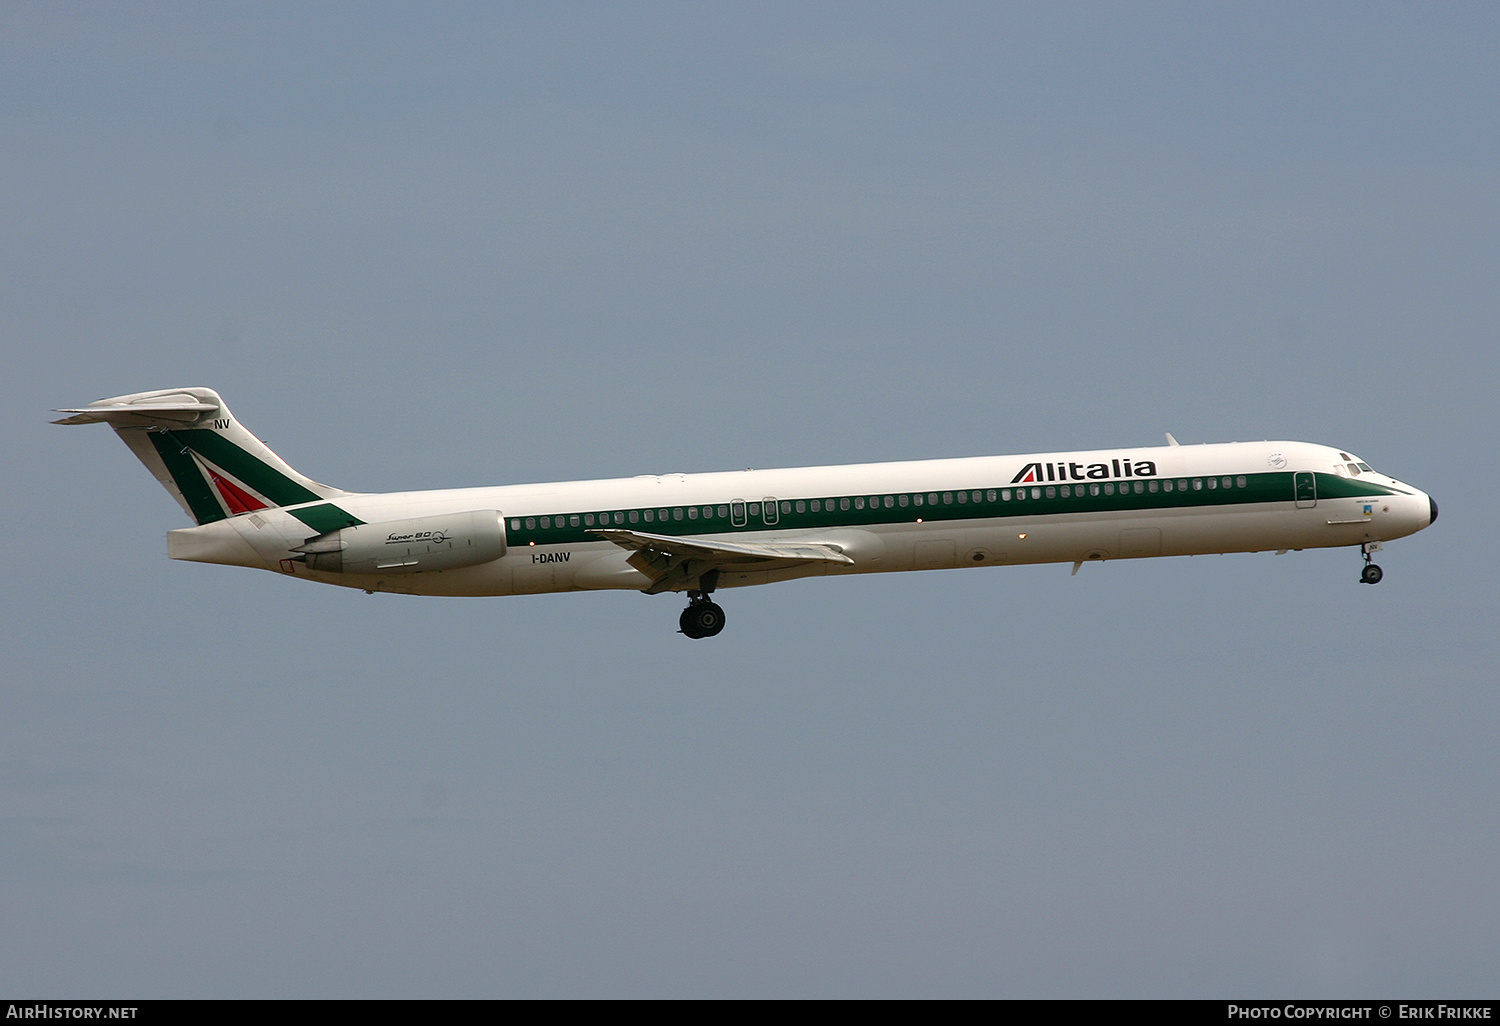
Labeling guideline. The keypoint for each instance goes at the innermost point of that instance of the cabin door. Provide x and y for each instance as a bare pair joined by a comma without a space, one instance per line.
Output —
1306,485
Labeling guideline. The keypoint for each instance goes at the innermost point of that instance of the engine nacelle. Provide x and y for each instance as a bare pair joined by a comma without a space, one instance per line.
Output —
444,542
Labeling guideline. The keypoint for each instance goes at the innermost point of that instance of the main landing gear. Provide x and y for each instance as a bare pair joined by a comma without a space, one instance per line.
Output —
1371,574
702,618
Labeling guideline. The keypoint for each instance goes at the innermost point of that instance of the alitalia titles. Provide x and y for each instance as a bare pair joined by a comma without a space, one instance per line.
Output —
1034,472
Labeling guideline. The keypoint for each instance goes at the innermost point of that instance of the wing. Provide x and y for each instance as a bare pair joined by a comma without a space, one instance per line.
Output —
677,564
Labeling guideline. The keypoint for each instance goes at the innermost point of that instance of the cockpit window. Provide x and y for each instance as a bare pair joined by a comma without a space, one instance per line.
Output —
1353,470
1367,468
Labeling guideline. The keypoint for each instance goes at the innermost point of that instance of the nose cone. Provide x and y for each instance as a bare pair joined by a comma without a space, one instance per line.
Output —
1432,504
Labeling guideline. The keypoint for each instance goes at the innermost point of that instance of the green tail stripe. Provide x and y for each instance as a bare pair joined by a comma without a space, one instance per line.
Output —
174,446
190,480
273,484
325,517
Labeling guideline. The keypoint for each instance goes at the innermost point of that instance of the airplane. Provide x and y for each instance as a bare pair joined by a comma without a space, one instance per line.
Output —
697,533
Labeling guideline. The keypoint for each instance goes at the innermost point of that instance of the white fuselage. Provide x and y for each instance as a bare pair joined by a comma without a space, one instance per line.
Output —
1041,508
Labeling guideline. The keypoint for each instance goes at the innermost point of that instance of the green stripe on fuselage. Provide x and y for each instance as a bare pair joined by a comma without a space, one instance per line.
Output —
325,517
1259,488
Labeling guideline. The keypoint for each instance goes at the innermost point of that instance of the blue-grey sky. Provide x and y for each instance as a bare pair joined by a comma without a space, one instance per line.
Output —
423,246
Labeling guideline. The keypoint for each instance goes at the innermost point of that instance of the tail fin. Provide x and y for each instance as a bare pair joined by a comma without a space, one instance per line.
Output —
213,467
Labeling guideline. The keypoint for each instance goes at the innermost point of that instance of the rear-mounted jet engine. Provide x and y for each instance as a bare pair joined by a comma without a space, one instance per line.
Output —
412,546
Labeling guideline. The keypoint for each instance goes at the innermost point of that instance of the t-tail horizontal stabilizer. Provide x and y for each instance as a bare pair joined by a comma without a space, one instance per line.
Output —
201,454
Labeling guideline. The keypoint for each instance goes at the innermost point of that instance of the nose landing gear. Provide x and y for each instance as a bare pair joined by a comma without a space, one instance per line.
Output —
1371,574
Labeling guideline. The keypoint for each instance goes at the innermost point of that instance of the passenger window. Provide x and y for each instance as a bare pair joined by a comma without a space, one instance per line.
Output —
902,500
916,500
963,496
515,525
888,501
1213,482
1067,493
1229,482
1093,489
1137,487
677,513
1152,486
947,498
1109,489
1005,495
859,502
1051,492
692,512
634,517
531,523
650,514
801,506
1197,484
843,504
932,498
1240,482
1166,485
1182,484
1036,493
573,520
588,518
723,512
786,507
